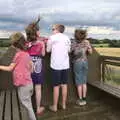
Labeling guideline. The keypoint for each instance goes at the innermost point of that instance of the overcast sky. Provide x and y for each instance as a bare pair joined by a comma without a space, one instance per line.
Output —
100,17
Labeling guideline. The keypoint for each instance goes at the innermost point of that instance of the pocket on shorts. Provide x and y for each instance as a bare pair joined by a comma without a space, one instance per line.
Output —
86,65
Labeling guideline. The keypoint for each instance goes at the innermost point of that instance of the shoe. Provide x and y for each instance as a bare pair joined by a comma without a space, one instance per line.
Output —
53,109
64,107
84,102
40,111
80,102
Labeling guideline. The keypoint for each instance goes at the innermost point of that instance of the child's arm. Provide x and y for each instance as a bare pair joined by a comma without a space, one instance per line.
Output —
49,45
7,68
31,67
69,46
43,48
89,48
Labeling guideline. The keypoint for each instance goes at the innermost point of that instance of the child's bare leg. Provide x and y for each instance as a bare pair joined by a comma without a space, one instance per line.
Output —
55,98
38,98
64,95
84,90
79,89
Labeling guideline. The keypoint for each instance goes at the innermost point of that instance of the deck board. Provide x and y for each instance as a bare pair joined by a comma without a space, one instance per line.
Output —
15,106
7,114
2,96
107,88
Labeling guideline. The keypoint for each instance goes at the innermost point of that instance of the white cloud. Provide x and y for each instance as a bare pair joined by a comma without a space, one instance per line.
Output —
99,15
95,32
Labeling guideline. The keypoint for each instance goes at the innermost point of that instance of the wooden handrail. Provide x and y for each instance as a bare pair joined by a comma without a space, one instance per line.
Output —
110,57
110,60
112,63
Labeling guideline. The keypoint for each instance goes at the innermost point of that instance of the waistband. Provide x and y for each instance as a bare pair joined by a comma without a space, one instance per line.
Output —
36,56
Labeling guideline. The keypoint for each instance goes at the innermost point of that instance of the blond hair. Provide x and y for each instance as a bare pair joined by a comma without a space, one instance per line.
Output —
59,27
18,40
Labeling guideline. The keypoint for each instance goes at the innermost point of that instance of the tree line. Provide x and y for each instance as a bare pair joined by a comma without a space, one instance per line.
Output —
5,42
111,43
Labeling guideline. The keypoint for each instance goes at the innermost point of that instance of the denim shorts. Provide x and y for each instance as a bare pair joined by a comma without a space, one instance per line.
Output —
81,71
59,77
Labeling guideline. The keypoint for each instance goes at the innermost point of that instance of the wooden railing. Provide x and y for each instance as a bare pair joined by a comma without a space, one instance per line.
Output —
103,82
108,60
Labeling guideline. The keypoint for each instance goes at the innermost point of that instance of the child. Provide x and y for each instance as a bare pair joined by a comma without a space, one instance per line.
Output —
81,48
21,67
59,46
36,50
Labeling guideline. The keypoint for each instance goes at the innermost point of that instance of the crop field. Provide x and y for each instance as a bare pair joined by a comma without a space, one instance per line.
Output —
109,51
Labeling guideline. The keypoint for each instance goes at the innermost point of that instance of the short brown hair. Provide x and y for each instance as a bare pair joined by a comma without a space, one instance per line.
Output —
59,27
18,40
80,34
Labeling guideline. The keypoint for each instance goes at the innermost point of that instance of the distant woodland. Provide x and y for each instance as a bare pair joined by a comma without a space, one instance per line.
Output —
5,42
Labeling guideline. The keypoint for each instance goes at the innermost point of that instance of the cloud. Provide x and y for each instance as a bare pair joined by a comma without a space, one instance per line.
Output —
16,14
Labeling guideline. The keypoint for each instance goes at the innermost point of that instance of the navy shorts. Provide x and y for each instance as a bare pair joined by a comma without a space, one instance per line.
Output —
37,75
59,77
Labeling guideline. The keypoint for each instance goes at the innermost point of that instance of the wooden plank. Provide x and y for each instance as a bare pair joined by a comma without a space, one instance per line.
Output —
111,57
112,63
2,96
107,88
15,106
103,71
7,114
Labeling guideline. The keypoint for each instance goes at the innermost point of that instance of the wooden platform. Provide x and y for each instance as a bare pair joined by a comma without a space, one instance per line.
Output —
10,107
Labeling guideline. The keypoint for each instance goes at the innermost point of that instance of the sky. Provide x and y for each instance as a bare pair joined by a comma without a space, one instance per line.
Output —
101,18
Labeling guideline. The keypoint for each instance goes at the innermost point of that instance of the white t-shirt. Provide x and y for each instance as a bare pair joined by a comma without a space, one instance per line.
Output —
59,46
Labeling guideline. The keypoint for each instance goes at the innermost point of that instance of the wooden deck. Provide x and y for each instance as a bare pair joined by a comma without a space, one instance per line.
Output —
10,107
100,106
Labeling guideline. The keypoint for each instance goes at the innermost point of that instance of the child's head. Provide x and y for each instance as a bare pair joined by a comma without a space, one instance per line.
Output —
31,31
80,34
58,27
18,40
